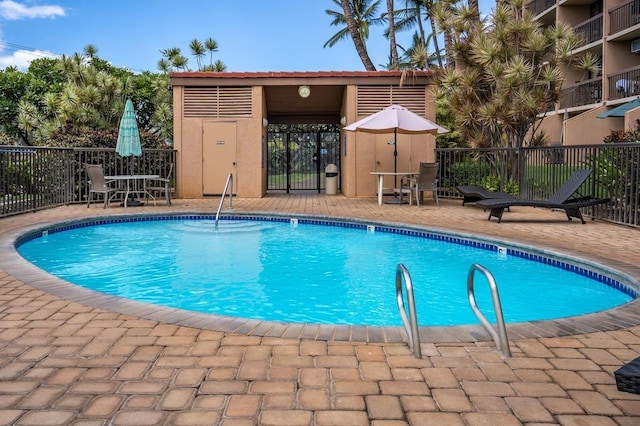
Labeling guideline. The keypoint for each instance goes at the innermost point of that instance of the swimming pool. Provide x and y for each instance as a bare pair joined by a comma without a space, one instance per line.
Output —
248,277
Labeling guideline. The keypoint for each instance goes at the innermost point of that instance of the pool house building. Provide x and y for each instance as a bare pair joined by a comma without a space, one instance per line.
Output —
244,124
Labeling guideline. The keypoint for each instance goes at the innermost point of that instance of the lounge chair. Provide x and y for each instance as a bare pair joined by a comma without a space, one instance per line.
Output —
98,185
472,194
425,181
561,199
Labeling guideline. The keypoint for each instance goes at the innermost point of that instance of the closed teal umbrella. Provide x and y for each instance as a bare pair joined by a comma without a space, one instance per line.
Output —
129,142
128,136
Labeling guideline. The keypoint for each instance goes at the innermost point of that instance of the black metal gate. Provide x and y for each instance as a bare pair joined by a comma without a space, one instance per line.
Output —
296,160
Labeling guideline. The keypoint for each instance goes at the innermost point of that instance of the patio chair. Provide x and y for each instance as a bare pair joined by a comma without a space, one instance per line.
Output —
425,181
561,199
473,193
99,185
159,186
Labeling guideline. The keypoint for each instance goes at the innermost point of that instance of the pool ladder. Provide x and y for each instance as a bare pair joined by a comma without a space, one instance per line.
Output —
410,321
227,185
500,335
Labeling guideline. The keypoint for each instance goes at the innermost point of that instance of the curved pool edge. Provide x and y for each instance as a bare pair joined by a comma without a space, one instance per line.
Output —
616,318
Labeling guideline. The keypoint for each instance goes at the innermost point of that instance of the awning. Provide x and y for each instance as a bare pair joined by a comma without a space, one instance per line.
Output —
621,109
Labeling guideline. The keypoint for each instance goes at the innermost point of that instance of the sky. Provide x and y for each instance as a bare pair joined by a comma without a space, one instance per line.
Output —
252,35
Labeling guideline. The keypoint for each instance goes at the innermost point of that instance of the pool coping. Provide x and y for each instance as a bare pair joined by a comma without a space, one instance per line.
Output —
623,316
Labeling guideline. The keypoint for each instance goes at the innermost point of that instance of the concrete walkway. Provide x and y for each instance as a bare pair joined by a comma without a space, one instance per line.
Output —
66,362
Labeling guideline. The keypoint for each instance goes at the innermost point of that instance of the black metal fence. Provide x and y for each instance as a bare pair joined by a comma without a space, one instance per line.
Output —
538,172
34,178
297,160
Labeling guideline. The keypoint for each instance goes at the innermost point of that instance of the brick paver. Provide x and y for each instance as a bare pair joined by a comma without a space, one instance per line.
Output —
64,362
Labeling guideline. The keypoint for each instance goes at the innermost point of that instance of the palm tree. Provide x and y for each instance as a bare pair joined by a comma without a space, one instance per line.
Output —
417,56
356,18
393,47
411,16
172,58
212,46
197,51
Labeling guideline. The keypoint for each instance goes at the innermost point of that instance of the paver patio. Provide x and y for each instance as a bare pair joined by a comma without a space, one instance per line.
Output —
65,362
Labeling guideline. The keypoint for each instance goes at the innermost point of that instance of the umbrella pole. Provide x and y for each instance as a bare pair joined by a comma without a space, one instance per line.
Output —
132,200
395,199
395,157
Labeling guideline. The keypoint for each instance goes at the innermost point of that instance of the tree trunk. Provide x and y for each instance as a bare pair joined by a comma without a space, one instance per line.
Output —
434,34
393,47
355,36
423,37
448,43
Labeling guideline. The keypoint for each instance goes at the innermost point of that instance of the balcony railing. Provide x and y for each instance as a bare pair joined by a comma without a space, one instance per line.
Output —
538,6
590,30
624,84
585,93
625,16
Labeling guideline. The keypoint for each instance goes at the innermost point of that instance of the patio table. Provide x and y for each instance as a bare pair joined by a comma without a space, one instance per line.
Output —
132,185
381,175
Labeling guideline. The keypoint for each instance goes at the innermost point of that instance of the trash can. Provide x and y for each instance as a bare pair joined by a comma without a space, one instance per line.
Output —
331,179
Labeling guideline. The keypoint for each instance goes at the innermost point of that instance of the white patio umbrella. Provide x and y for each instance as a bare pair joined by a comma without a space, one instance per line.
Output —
398,119
129,139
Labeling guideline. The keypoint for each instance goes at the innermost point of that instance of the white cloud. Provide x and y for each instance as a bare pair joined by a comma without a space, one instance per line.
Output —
12,11
22,58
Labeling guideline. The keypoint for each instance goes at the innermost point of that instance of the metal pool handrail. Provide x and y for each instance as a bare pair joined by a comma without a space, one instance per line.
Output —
410,323
228,184
500,336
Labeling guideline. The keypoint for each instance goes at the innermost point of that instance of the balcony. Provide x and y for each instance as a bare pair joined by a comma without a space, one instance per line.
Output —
624,17
590,31
624,84
536,7
585,93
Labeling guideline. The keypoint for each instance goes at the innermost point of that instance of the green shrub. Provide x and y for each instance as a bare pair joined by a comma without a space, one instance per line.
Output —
82,137
466,173
494,183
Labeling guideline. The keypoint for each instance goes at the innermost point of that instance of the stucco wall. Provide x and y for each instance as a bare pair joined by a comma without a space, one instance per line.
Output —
412,150
249,176
552,127
587,128
630,119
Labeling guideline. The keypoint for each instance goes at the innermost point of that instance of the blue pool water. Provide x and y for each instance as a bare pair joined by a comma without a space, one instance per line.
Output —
304,272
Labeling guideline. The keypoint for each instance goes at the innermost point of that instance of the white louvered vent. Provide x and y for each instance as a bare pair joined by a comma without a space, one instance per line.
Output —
372,99
217,102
